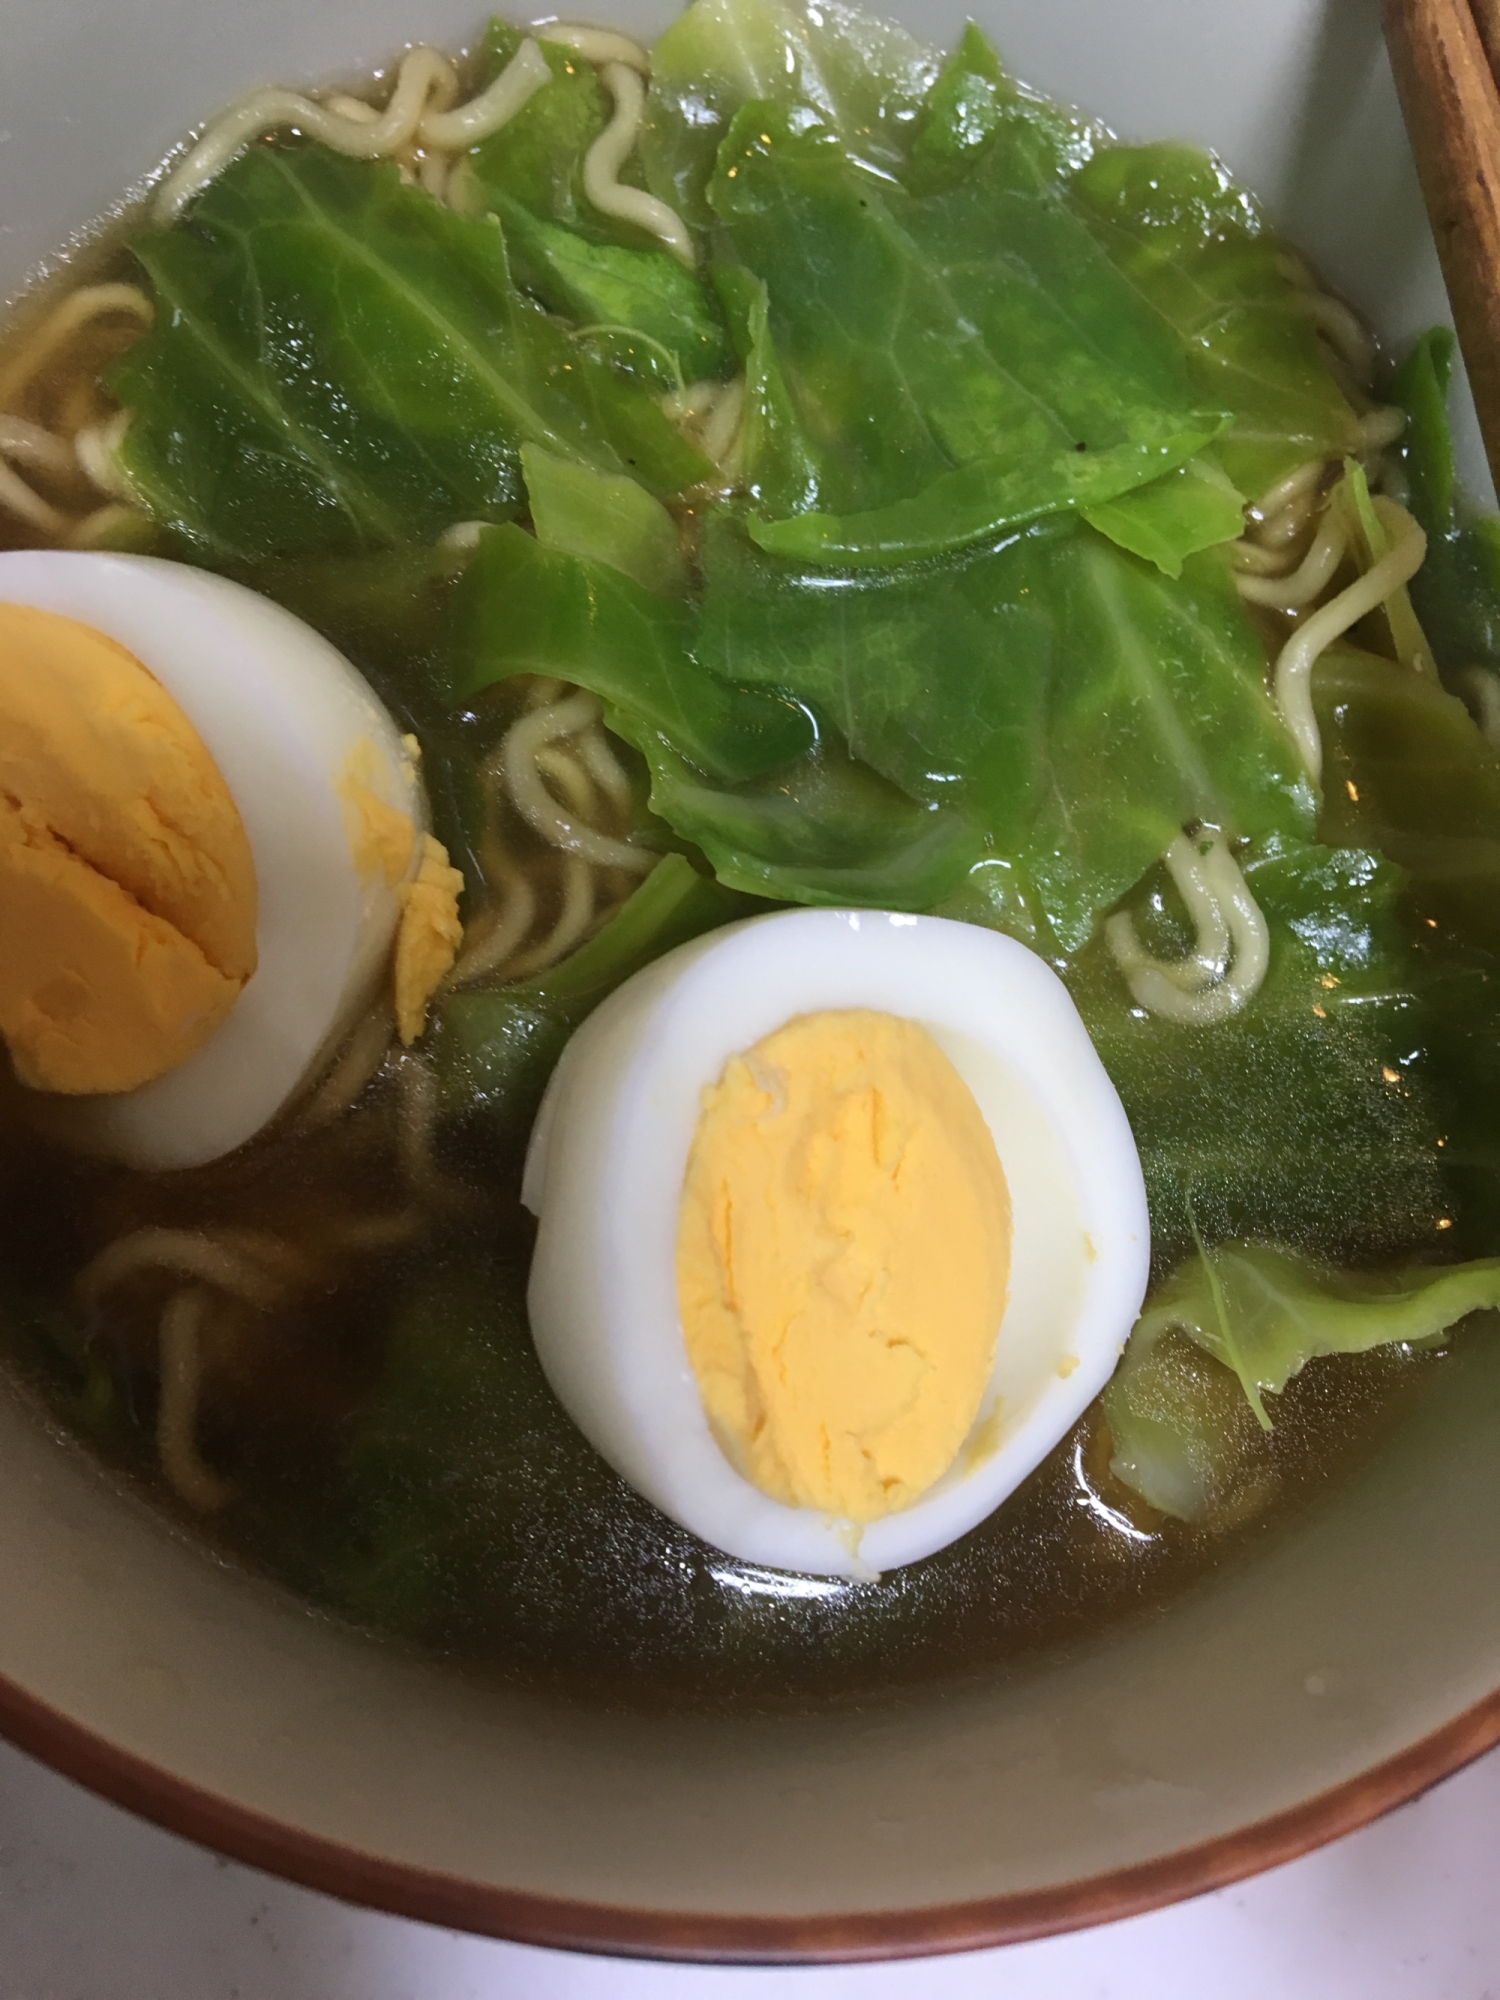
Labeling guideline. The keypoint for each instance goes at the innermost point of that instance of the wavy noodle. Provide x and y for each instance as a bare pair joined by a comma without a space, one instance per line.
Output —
455,131
464,194
1250,559
1292,489
573,920
30,444
569,778
241,1262
1342,331
463,536
689,406
1380,427
527,756
28,505
417,1126
609,152
96,448
351,107
353,1067
89,452
108,527
416,115
1292,676
498,933
721,429
424,72
181,1362
596,45
432,175
711,416
66,320
1311,577
417,1108
523,782
604,767
1232,948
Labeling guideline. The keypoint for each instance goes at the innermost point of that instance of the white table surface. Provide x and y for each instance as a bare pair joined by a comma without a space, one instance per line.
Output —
97,1906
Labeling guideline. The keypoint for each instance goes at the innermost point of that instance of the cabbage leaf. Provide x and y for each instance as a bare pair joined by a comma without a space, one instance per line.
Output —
1456,592
812,737
636,299
1262,1314
1311,1117
604,516
775,802
1073,703
860,78
522,608
536,158
1192,508
1407,771
1197,247
956,364
339,362
1189,241
1266,1313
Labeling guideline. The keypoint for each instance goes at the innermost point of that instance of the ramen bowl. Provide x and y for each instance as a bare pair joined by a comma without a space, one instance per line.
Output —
1332,1670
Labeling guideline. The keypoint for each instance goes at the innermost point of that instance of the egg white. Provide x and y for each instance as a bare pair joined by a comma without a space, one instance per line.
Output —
280,711
604,1176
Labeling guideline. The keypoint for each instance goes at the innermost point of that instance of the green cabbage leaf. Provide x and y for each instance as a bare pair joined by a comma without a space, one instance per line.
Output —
339,362
1190,242
1198,248
1260,1314
639,304
605,517
955,364
860,78
1266,1313
1312,1117
816,741
1456,592
776,803
1072,703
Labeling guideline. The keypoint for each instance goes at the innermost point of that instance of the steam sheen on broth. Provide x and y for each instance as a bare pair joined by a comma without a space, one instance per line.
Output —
317,1345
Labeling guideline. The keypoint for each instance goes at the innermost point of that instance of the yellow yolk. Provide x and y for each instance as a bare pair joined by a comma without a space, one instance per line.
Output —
380,841
127,888
380,834
843,1253
428,938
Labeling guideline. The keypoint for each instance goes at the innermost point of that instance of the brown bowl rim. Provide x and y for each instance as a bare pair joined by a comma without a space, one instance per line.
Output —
558,1922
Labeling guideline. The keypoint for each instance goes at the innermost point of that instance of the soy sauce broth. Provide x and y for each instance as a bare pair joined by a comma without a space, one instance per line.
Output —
395,1454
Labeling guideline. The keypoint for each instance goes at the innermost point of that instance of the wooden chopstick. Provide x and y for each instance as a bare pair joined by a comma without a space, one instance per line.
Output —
1441,55
1487,20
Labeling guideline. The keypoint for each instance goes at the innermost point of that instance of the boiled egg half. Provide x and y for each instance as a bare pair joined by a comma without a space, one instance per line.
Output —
841,1227
211,836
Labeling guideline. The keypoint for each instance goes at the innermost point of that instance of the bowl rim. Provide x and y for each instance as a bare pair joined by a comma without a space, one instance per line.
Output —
399,1889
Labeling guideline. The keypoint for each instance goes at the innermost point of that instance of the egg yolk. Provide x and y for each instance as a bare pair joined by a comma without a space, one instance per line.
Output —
843,1254
427,938
127,888
383,843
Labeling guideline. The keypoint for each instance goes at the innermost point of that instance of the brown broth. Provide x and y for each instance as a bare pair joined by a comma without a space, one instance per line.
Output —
537,1562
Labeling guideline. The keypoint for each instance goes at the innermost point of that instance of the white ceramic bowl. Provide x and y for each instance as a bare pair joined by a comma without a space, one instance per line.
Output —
1345,1665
